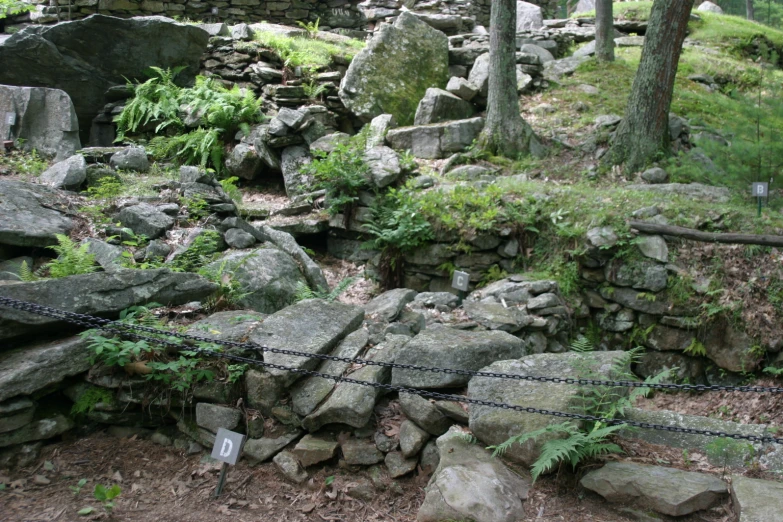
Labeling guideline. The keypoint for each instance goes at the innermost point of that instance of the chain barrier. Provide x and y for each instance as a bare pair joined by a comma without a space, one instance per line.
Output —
126,330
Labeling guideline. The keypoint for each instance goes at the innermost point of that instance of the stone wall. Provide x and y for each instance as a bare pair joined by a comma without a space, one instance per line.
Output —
333,14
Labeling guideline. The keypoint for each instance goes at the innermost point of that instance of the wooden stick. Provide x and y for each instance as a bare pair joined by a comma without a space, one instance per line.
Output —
708,237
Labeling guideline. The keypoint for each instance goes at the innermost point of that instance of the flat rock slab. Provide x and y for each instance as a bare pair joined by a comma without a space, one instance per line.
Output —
757,500
470,484
450,348
696,191
494,425
32,215
313,326
665,490
103,294
438,140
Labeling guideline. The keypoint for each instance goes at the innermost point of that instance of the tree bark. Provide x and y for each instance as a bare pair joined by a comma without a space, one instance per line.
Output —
604,31
749,10
708,237
505,132
644,132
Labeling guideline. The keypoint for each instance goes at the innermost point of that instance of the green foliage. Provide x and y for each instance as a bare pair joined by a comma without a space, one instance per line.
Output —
230,188
314,90
197,207
235,372
582,344
72,259
397,223
78,487
303,291
576,447
230,292
342,173
310,27
495,273
25,164
13,8
218,113
306,52
729,452
106,495
198,254
88,400
696,349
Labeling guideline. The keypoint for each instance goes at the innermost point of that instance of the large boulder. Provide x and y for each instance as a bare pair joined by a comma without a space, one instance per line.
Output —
86,57
469,484
103,294
494,426
756,500
438,140
529,16
267,276
45,120
32,368
451,348
68,174
709,7
293,160
439,105
145,219
669,491
392,73
32,215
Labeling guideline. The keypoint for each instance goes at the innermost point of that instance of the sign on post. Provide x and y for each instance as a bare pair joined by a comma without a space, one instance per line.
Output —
461,280
228,445
10,119
760,190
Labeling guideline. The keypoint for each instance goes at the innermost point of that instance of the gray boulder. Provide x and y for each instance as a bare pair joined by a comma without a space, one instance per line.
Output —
239,239
308,393
25,371
392,73
543,55
384,166
353,404
389,304
106,255
267,275
479,74
412,438
327,144
462,88
312,326
38,430
655,175
290,467
267,447
584,6
313,450
145,219
361,453
213,417
45,120
494,426
555,70
529,16
438,140
32,215
131,158
470,484
439,105
16,413
216,29
101,293
96,48
293,159
586,50
244,162
68,174
641,274
450,348
653,247
379,126
495,316
756,500
424,413
398,465
709,7
669,491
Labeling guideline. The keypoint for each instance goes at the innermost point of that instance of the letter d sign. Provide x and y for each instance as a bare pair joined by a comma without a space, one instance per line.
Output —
228,446
225,450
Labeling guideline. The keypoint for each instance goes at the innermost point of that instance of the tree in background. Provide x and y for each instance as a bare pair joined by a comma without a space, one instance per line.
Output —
749,10
604,31
644,131
505,132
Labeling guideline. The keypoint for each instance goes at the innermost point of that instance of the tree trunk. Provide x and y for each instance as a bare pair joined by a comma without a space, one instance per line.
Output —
751,13
604,31
644,131
505,132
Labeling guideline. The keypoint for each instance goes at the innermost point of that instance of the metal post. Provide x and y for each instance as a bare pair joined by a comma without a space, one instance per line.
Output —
221,480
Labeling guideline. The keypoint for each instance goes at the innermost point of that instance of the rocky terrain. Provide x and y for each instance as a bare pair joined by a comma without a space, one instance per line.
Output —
319,233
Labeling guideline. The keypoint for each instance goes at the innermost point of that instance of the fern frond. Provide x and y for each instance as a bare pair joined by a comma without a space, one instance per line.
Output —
303,291
341,287
582,345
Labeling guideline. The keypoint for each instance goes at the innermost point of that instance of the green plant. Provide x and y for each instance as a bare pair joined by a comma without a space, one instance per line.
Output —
26,164
88,400
343,174
303,291
313,90
310,27
230,293
72,259
157,99
729,452
494,273
576,447
686,460
14,7
78,487
106,495
198,254
196,206
696,349
232,191
197,147
236,371
582,344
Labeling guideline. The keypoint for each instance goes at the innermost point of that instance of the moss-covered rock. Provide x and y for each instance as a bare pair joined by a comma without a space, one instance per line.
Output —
396,68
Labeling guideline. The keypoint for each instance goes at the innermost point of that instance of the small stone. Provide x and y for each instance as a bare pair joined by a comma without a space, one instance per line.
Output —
214,417
290,467
653,247
412,438
132,158
361,453
655,175
312,450
239,239
398,465
41,480
162,439
430,457
385,443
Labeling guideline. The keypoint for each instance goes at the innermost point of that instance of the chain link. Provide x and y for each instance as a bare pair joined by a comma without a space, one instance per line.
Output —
127,330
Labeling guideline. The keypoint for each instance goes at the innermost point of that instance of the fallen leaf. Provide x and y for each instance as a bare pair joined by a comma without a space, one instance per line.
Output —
85,511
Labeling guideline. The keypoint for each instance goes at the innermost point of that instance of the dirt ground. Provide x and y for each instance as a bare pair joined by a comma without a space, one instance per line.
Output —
162,484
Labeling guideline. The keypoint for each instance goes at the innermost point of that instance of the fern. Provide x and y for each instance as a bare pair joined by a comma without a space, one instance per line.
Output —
303,291
582,345
314,90
154,100
198,147
72,259
576,447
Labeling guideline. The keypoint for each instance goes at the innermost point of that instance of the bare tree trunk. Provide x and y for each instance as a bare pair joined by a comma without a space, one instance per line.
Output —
644,132
505,132
749,10
604,31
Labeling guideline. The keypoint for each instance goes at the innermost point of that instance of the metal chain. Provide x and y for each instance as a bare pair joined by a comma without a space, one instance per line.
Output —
122,330
78,318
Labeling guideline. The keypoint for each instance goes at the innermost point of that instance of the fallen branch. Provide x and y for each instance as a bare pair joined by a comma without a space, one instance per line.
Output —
708,237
